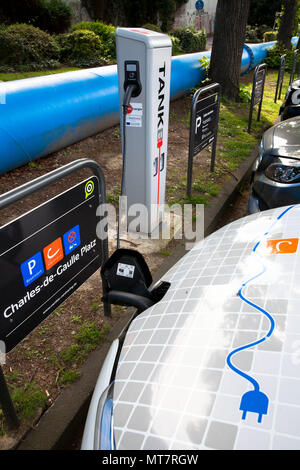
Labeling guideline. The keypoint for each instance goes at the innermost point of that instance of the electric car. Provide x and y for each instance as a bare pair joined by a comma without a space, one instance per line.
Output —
275,179
211,360
291,105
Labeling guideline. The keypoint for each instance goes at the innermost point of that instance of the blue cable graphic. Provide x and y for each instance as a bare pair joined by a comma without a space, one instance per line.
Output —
254,401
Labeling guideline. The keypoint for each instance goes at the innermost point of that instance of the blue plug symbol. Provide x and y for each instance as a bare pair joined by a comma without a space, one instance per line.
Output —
255,402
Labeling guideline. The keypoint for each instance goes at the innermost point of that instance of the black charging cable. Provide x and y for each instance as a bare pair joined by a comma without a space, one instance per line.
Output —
126,101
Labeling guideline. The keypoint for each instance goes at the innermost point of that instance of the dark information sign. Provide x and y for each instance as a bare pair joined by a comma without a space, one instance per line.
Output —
205,110
45,256
258,86
205,122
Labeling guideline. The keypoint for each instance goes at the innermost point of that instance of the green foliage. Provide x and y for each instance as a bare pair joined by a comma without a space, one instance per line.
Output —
205,62
24,47
270,36
152,27
244,94
81,49
274,54
105,32
53,16
176,48
255,33
190,39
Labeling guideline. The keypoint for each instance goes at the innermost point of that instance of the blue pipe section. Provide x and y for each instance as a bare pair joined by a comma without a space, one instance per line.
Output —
44,114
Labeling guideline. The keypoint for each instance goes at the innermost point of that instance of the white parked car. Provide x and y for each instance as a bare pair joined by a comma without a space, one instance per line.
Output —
215,364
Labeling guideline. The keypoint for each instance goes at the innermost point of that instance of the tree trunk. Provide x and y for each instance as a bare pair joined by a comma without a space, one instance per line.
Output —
287,23
229,37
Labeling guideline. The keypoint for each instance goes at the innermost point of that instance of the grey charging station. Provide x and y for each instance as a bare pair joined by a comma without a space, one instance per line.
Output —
144,58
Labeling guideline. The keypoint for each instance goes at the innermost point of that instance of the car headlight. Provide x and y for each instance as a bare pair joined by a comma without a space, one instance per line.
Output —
284,171
104,425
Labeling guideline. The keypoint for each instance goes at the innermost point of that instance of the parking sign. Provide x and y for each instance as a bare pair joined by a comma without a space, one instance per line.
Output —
46,255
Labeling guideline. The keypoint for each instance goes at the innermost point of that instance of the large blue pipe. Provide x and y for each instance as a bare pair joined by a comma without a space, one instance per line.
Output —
45,114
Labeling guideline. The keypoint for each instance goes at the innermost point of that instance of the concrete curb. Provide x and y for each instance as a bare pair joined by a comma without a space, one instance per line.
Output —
62,421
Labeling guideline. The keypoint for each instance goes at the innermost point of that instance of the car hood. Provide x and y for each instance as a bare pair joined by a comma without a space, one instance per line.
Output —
211,365
284,139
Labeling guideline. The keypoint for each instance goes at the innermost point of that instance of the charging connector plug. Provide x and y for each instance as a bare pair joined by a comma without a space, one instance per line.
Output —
127,96
254,402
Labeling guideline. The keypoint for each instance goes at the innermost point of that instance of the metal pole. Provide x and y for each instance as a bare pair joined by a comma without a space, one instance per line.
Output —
7,404
294,66
282,77
279,77
190,163
252,101
214,146
262,95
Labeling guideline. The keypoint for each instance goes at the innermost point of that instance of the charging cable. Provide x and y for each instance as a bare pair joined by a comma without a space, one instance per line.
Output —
126,101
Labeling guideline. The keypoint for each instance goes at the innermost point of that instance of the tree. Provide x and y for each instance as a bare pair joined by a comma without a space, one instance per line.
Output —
263,12
53,16
287,22
229,37
133,12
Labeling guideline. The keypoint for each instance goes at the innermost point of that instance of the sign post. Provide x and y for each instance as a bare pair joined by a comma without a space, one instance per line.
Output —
258,86
47,254
205,111
280,77
294,66
7,404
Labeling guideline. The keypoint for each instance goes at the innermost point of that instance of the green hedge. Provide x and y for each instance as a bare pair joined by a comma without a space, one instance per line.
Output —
176,48
24,47
190,40
255,33
152,27
270,36
81,48
105,32
274,54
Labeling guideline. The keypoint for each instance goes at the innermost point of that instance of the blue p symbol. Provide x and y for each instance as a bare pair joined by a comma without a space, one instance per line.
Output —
32,269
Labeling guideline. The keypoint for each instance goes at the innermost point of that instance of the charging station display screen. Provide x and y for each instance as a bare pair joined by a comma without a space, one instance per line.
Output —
45,256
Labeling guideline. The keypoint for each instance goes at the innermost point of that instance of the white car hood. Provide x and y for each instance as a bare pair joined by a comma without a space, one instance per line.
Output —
175,387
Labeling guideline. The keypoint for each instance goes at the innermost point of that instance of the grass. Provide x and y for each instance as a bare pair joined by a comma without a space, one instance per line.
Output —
7,77
68,376
29,398
165,252
26,399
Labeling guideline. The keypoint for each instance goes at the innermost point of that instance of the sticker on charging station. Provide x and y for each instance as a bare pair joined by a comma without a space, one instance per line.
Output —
134,116
46,255
125,270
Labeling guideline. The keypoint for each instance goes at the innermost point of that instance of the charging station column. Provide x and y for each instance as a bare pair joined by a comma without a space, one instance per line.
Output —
144,60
